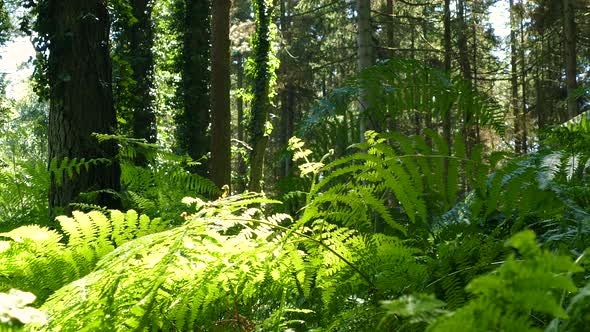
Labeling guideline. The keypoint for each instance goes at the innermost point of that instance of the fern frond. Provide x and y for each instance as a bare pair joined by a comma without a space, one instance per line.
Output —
40,261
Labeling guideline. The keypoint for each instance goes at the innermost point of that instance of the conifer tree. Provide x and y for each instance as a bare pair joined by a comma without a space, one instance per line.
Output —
81,99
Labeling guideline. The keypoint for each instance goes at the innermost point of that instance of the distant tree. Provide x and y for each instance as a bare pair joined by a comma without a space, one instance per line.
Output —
81,100
220,163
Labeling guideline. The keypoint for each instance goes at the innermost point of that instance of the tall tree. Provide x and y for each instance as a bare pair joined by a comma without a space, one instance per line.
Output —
194,118
448,51
514,79
571,64
141,41
81,100
260,102
220,163
286,85
366,58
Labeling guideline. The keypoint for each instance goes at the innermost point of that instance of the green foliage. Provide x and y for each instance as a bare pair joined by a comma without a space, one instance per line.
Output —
523,287
70,167
158,189
229,265
38,260
398,91
24,180
391,168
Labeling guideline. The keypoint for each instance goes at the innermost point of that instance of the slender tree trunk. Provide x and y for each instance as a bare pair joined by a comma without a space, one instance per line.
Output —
287,92
466,72
475,84
390,26
514,79
392,118
365,54
81,100
523,116
447,121
242,167
260,101
569,24
447,115
220,163
193,121
540,85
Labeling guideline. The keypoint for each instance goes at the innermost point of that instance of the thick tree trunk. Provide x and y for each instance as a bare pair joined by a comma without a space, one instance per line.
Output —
220,163
81,100
141,41
569,27
193,122
260,101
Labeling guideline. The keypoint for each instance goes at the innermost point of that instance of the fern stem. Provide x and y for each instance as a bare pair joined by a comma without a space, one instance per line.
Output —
459,271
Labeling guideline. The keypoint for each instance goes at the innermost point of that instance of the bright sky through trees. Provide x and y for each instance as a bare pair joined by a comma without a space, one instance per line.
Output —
13,63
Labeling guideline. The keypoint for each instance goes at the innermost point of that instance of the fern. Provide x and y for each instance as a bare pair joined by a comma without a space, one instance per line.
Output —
229,265
408,171
398,89
38,260
518,290
60,168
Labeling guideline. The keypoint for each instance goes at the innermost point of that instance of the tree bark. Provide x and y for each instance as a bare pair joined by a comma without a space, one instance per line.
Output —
81,100
220,163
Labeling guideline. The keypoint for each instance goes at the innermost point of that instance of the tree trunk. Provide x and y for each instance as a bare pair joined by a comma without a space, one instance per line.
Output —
448,49
220,163
466,73
81,100
514,79
141,41
260,100
524,111
365,54
569,27
193,121
242,167
447,115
